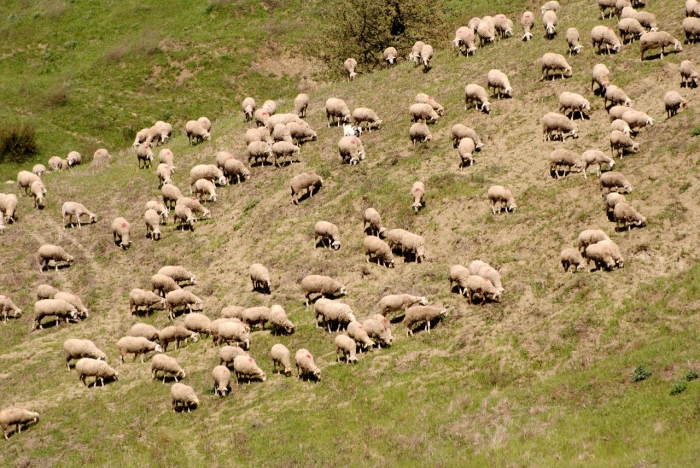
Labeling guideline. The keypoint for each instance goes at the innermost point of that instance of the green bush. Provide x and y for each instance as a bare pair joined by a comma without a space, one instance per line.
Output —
679,386
691,375
17,142
640,373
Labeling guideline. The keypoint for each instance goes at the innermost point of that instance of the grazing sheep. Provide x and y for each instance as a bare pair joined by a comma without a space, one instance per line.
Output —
595,158
423,111
646,19
503,197
6,305
25,179
378,332
422,314
614,181
601,254
120,232
153,221
261,117
248,106
199,323
301,102
527,21
206,171
478,285
70,209
606,5
159,208
234,333
476,265
55,163
555,125
284,119
100,158
499,82
183,396
476,94
39,170
337,109
362,115
279,321
306,366
656,40
572,257
196,132
349,66
689,77
491,274
621,141
163,131
260,277
375,247
395,238
590,236
45,291
246,368
87,367
281,356
620,5
48,253
144,155
395,302
466,148
605,36
503,25
464,41
171,194
332,312
235,168
637,119
166,365
215,324
145,331
413,244
137,345
389,55
179,274
673,102
327,232
420,132
75,301
222,380
572,38
486,31
611,200
166,157
182,298
183,217
575,103
305,181
624,214
556,63
418,193
616,113
223,156
459,275
621,126
414,55
257,134
460,131
53,308
351,150
38,191
228,353
372,218
177,334
256,315
357,332
549,20
164,173
301,132
549,6
285,149
204,187
562,157
8,205
346,346
426,55
194,205
630,29
232,311
270,106
163,284
692,8
280,132
17,417
601,77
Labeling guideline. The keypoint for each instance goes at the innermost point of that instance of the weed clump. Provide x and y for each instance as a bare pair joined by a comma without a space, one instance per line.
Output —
679,386
691,375
640,373
17,142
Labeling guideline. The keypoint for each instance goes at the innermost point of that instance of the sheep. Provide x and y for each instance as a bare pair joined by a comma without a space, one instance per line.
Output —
323,285
279,321
476,94
464,38
248,106
37,190
395,302
646,19
549,20
414,55
164,173
206,171
630,29
590,236
25,179
235,168
260,278
692,8
606,5
373,221
394,238
426,55
346,346
182,298
55,163
6,305
234,332
301,102
195,206
280,355
45,291
70,209
285,149
478,285
246,368
378,332
413,244
177,334
144,330
612,199
332,312
614,181
48,253
575,103
499,82
141,137
527,21
327,232
422,314
362,115
53,308
306,367
357,332
573,38
222,380
166,157
270,106
423,98
170,195
196,132
417,193
261,117
389,56
422,111
280,132
621,141
301,132
621,126
87,367
205,187
179,274
166,365
689,77
491,274
656,40
228,353
39,169
605,36
503,197
232,311
306,180
624,214
163,131
605,254
555,62
616,113
595,158
256,315
17,417
144,155
183,217
163,284
137,345
349,66
466,148
100,157
486,31
555,125
257,134
337,109
601,77
620,5
375,247
259,150
562,157
153,221
199,323
572,257
503,25
120,232
549,6
183,396
351,150
284,119
8,205
75,301
673,102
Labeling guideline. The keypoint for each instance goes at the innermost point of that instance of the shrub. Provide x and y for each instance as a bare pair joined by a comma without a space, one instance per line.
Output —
679,386
691,375
17,142
640,373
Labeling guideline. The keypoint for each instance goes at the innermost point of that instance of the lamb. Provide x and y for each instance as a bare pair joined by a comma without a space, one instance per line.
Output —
136,345
8,205
100,158
527,21
55,163
357,332
144,155
206,171
395,302
673,102
621,126
170,195
389,55
37,190
235,168
120,232
572,38
422,314
426,55
183,217
349,66
549,6
48,253
555,62
177,334
621,141
486,31
222,380
285,149
196,132
503,197
362,115
378,332
75,301
45,291
256,315
605,36
153,221
306,180
476,94
53,308
376,247
689,77
199,323
327,232
70,209
248,106
145,331
87,367
414,55
624,214
464,38
246,368
593,158
17,417
183,396
549,20
555,125
279,321
351,150
337,109
346,346
637,119
306,366
372,218
166,157
499,82
575,103
466,149
39,169
422,111
601,77
163,284
562,157
601,254
166,365
630,29
418,193
25,179
180,298
614,181
590,236
478,285
413,244
656,40
164,173
333,312
234,332
612,199
228,353
503,25
6,305
260,278
572,257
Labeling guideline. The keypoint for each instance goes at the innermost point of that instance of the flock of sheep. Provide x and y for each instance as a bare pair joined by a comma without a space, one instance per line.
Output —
280,137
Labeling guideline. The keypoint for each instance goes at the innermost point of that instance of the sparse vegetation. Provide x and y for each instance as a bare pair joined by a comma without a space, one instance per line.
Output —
640,373
17,142
679,386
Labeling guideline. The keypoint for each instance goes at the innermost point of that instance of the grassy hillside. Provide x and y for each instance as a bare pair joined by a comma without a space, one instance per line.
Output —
542,378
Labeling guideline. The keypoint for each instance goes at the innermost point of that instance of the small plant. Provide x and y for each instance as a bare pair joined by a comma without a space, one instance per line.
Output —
640,373
685,187
695,131
17,142
691,375
679,386
250,205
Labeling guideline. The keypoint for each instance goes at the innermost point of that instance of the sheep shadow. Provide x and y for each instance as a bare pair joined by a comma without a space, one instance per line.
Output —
143,313
261,163
184,227
627,228
55,323
307,195
398,319
262,290
166,379
107,381
279,331
554,77
12,429
184,409
309,378
582,115
424,326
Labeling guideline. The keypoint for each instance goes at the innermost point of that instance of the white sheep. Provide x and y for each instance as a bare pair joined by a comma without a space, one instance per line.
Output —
601,77
48,253
71,209
204,187
196,132
351,150
136,345
595,158
614,181
228,353
346,346
377,331
413,245
349,65
612,199
55,163
422,111
39,169
280,132
500,83
161,131
246,368
573,38
503,25
170,195
692,8
164,173
45,291
605,36
417,193
53,308
281,356
301,103
6,305
248,106
375,247
357,332
305,181
607,5
637,119
332,312
362,115
256,315
306,367
206,171
38,191
426,99
16,417
175,333
284,119
279,321
167,365
182,298
395,237
100,158
327,232
555,125
259,150
260,277
426,55
389,55
621,126
163,284
233,332
256,134
8,205
25,179
414,55
673,102
420,132
144,155
182,395
527,21
464,41
235,168
658,40
480,286
194,205
396,302
689,77
620,141
270,106
199,323
285,149
616,113
372,223
422,314
100,370
337,109
501,196
465,149
144,330
179,274
476,94
630,29
183,217
645,18
75,301
549,20
626,215
572,257
604,254
153,221
562,158
573,102
222,380
120,232
549,6
486,31
261,117
555,63
301,132
590,236
166,156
